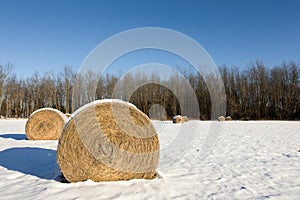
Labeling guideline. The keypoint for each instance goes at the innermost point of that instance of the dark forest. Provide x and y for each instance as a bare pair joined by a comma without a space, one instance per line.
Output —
255,92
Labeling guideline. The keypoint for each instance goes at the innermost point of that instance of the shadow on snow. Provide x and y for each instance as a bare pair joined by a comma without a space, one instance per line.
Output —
14,136
38,162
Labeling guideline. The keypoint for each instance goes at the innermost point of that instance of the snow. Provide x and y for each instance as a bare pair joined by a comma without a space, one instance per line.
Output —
45,109
91,104
250,160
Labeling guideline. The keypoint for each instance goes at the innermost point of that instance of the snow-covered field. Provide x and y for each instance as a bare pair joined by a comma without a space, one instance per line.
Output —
250,160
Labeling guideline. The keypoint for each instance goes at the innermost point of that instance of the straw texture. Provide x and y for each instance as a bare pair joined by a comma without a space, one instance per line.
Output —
45,124
108,141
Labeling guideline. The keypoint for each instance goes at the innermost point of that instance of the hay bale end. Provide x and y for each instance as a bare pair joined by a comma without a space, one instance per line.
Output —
45,124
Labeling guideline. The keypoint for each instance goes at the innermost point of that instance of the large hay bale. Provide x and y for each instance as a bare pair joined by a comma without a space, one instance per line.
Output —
228,118
108,140
45,124
177,119
221,118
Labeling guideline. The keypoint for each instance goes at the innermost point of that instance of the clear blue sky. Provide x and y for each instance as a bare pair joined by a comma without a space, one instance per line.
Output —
47,35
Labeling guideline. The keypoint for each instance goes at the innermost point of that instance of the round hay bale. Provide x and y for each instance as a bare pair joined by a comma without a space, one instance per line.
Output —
108,140
68,115
177,119
45,124
185,119
221,118
228,118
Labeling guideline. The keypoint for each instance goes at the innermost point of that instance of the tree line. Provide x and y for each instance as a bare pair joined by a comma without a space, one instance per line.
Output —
252,93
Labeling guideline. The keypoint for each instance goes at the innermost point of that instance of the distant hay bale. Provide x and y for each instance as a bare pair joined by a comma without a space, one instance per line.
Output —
177,119
108,140
185,119
221,118
68,115
228,118
45,124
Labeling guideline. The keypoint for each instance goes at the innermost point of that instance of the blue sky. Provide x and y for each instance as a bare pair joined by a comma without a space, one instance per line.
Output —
47,35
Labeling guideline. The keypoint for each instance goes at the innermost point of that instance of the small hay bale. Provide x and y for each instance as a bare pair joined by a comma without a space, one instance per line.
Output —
68,115
221,118
177,119
108,140
185,119
45,124
228,118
